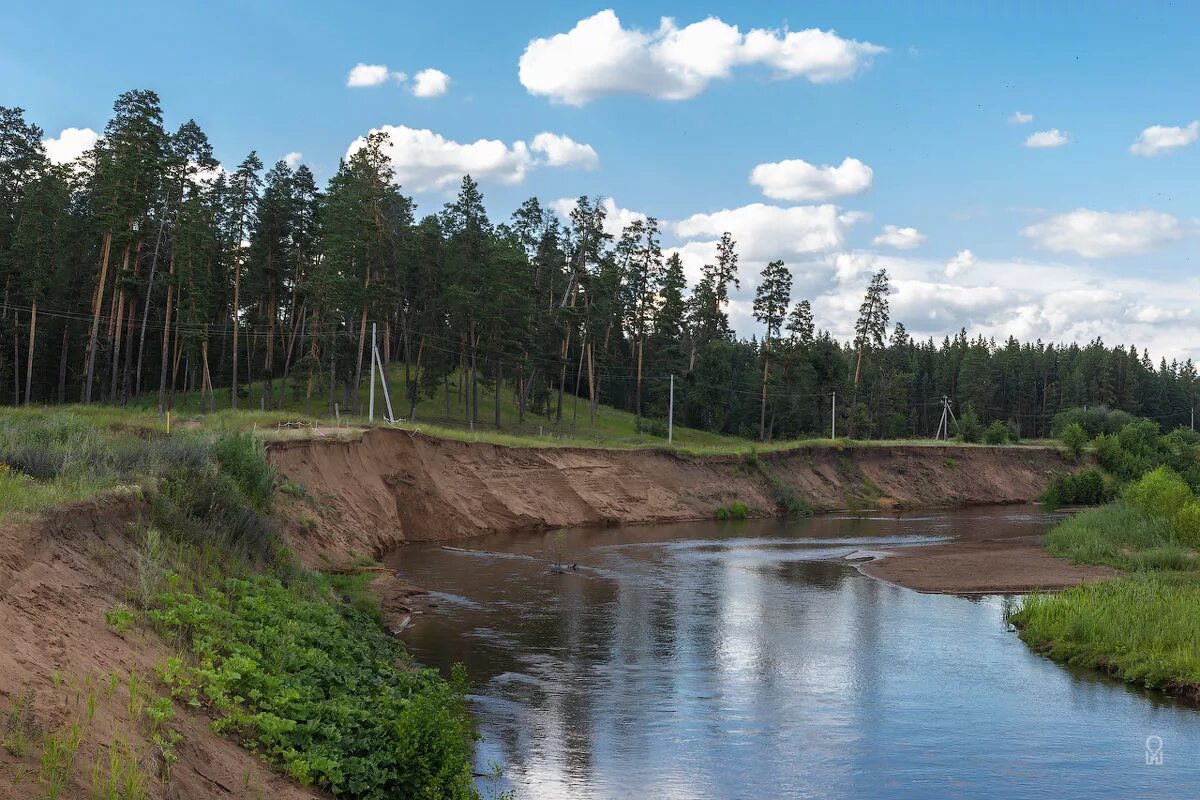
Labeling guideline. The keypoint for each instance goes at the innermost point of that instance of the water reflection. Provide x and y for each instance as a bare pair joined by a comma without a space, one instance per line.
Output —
747,661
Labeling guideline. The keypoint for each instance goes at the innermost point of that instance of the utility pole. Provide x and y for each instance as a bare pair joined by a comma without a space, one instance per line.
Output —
833,418
371,402
1193,418
670,410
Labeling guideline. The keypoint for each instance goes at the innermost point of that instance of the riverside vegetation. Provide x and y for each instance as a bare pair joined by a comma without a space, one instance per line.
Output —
288,661
1143,627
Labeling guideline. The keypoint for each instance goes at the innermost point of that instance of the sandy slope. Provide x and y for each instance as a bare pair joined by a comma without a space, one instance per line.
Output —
391,487
59,573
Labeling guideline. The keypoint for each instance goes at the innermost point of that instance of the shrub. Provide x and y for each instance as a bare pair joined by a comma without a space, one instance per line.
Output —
1161,493
997,433
970,430
738,510
243,458
651,427
1186,524
1074,439
1094,420
722,513
1085,488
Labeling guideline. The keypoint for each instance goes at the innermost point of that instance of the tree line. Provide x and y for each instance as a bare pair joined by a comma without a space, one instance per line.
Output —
144,269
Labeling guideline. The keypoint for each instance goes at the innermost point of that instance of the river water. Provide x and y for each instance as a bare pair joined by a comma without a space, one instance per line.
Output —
750,660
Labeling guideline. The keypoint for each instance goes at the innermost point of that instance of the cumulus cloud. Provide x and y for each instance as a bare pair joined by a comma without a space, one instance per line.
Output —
1159,139
1051,138
963,260
765,232
70,144
293,159
425,161
799,180
615,217
899,238
430,83
365,75
1101,234
1020,118
1031,300
599,56
563,151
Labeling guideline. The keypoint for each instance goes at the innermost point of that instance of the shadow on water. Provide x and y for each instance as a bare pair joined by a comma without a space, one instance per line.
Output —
749,660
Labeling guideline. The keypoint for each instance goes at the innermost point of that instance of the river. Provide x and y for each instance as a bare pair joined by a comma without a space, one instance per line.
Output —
751,660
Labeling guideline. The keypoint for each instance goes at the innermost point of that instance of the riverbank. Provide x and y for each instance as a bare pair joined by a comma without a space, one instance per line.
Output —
347,499
987,566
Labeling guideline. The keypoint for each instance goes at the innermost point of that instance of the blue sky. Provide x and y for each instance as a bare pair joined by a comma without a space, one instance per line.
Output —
1065,242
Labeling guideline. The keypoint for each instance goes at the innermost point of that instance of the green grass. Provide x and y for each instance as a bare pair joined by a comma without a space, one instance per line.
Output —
1121,537
1144,629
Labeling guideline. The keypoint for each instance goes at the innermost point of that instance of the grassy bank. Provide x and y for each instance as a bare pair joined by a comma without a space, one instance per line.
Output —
1143,627
289,662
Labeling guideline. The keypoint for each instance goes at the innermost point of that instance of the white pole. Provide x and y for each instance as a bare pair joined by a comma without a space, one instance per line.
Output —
371,402
671,412
387,397
833,419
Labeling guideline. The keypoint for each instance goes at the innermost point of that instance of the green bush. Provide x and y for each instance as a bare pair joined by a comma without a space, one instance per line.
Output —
243,458
316,689
1084,488
1185,525
1161,493
1074,439
970,430
722,513
651,427
1094,420
738,510
997,433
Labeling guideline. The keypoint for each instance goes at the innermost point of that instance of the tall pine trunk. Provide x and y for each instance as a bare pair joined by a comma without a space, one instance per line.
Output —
29,356
97,304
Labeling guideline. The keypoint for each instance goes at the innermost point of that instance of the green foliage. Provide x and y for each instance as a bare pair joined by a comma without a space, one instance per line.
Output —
738,510
1120,537
1094,420
1074,438
997,433
722,513
969,428
1185,525
119,619
1084,488
1143,628
651,427
58,759
20,727
242,457
316,689
1160,493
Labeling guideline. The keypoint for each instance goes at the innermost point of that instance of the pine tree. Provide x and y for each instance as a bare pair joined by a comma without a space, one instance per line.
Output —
771,300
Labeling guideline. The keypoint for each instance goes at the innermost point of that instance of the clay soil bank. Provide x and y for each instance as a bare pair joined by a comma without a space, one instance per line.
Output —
368,496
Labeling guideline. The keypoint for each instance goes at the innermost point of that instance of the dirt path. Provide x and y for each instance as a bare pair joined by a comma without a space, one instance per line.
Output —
1008,565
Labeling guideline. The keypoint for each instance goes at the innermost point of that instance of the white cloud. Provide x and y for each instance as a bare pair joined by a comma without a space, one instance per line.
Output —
615,217
1050,301
1159,139
563,151
293,159
70,144
599,56
1051,138
364,75
430,83
794,179
1100,234
426,161
1155,314
766,232
899,238
1020,118
963,260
